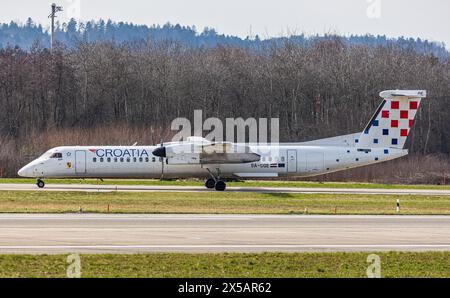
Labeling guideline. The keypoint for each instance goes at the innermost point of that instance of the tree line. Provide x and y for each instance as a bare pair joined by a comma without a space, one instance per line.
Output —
324,89
72,32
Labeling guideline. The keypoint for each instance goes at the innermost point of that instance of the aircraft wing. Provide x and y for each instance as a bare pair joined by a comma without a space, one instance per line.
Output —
209,153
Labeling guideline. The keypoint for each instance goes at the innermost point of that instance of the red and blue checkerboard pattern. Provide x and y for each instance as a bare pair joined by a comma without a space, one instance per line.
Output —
392,124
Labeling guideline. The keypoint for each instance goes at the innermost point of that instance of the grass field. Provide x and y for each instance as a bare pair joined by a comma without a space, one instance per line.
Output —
393,264
214,202
249,183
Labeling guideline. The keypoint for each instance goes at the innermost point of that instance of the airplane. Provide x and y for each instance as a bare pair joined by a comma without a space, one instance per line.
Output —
382,139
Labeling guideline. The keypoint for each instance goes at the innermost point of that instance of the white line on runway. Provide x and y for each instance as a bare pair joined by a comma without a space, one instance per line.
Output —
225,246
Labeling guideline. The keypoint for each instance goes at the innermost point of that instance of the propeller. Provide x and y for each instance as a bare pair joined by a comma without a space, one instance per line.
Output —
161,153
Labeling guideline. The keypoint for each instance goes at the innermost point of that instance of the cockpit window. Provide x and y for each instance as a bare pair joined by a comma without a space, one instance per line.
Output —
56,155
46,155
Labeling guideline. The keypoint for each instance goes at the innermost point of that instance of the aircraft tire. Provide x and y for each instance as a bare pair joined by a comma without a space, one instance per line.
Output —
220,185
210,183
40,183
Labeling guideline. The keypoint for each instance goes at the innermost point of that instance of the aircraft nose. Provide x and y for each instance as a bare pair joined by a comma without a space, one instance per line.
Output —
26,171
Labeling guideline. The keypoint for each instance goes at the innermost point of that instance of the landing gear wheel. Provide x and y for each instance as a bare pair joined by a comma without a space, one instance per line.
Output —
210,183
40,183
220,185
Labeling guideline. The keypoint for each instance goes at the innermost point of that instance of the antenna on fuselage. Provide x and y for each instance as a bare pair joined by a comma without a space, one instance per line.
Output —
134,144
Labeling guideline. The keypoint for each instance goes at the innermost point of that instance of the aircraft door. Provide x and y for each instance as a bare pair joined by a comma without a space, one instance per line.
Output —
292,161
80,162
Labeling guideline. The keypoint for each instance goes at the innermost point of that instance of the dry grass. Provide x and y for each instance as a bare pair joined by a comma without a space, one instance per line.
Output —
413,169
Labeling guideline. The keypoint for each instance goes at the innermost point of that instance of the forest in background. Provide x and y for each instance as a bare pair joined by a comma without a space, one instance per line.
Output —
105,92
72,32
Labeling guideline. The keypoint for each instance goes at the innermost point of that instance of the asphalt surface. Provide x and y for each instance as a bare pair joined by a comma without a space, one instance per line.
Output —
101,233
168,188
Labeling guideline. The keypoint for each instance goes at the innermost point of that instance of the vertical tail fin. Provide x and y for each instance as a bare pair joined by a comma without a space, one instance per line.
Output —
391,123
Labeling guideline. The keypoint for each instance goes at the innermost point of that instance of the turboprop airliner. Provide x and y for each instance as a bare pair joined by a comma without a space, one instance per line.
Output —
381,140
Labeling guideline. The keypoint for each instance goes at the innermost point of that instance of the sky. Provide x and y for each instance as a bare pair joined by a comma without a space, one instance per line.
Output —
410,18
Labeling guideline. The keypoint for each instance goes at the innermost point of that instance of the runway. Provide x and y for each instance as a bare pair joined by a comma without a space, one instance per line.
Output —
98,233
169,188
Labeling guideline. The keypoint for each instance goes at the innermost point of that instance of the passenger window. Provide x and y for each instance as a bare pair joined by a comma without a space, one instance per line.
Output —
282,158
101,159
153,159
121,159
140,159
128,159
147,159
115,159
134,159
108,159
94,159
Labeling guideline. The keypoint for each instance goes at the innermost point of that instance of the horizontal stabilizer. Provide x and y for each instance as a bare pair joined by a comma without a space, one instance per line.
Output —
404,93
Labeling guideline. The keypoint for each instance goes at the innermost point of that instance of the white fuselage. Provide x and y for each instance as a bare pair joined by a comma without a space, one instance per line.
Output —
383,139
138,162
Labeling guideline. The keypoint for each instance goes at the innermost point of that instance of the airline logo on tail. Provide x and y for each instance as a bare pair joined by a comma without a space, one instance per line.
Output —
393,120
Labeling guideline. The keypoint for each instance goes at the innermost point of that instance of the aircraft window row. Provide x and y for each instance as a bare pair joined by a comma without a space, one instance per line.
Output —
128,159
56,155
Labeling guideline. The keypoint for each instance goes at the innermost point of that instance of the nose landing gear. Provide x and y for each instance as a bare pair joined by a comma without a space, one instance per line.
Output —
40,183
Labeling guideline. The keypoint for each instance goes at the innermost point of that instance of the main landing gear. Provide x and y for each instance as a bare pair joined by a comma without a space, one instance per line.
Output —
215,182
210,183
40,183
218,185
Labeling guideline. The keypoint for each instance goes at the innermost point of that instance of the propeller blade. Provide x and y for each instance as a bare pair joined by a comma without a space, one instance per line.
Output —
162,156
160,152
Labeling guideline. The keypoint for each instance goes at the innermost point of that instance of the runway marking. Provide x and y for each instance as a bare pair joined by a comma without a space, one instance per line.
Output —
227,246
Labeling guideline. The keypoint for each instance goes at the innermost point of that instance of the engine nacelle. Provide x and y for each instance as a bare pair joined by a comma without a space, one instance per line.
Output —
202,152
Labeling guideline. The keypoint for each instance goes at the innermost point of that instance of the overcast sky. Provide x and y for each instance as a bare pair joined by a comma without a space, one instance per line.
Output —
429,19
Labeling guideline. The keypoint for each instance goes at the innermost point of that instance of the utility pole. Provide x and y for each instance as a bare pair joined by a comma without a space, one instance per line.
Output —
52,16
